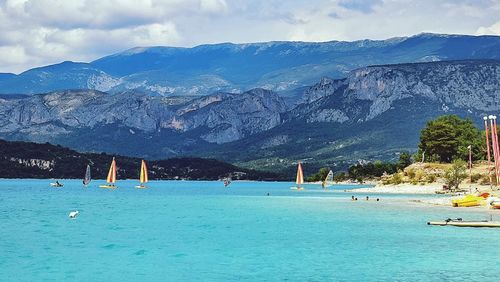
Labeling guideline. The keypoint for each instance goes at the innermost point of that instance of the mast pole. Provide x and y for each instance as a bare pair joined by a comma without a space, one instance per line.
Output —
488,149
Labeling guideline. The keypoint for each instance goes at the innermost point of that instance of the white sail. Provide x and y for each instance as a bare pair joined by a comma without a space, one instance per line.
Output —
328,179
87,178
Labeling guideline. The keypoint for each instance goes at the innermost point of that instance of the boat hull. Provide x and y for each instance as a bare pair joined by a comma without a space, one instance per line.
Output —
495,205
468,201
466,223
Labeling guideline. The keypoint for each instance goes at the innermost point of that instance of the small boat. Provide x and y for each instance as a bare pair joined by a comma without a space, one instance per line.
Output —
111,179
56,184
468,201
463,223
143,176
300,178
227,181
87,178
328,180
73,214
495,204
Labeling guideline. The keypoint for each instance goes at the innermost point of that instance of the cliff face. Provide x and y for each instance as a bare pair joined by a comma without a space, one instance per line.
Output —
371,91
224,117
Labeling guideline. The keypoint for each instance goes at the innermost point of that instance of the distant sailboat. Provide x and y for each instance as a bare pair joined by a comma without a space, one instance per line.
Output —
227,181
111,179
56,184
328,180
300,178
87,178
143,178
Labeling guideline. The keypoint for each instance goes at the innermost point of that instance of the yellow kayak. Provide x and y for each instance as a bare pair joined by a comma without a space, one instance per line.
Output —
467,201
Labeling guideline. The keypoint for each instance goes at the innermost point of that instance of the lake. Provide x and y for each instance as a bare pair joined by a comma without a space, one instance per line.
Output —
197,230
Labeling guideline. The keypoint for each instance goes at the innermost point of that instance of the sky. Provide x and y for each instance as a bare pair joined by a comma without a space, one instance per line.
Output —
41,32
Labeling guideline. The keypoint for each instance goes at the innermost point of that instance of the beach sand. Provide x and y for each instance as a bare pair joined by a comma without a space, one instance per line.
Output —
401,189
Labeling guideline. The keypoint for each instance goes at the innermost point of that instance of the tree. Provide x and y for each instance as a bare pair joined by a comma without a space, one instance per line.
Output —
448,137
456,174
320,175
404,160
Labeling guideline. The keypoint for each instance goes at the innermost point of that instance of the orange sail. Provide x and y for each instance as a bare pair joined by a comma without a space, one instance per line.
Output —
300,175
144,173
112,172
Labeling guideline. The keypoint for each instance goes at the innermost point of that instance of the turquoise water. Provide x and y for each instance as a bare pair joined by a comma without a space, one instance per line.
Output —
199,231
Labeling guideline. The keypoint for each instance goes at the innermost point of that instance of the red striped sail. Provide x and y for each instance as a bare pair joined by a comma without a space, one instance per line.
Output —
112,172
300,175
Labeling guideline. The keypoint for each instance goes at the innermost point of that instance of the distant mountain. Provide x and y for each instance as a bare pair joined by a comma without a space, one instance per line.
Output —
373,113
32,160
278,66
125,122
6,76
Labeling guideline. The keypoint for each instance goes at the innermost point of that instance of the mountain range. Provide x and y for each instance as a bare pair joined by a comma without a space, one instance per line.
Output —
277,66
322,103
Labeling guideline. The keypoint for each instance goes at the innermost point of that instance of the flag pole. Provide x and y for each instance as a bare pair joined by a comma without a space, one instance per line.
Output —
497,165
488,149
470,162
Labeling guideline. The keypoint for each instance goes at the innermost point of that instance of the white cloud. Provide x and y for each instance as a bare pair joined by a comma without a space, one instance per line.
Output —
494,29
40,32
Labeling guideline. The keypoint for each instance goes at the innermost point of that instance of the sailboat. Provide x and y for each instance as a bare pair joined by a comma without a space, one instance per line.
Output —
111,179
87,178
300,178
56,184
143,178
328,180
227,181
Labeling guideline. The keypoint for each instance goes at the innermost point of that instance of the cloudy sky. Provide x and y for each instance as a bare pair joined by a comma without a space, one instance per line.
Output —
41,32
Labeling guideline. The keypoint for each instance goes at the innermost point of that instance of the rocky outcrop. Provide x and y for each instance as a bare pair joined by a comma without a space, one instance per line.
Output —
371,91
222,117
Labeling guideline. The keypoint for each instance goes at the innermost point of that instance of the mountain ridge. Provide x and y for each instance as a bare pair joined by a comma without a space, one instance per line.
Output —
279,66
336,121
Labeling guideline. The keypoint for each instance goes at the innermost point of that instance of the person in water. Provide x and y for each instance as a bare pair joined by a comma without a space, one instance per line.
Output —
367,198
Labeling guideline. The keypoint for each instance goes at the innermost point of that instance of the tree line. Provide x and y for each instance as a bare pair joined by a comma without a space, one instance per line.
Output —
445,140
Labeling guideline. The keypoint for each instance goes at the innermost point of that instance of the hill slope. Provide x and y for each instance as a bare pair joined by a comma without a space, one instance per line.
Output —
32,160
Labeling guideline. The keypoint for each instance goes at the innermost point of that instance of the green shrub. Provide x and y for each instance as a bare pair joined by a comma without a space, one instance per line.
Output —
475,177
397,178
430,178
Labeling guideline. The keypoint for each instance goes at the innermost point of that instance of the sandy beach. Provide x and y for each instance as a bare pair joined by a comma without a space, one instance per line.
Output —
402,189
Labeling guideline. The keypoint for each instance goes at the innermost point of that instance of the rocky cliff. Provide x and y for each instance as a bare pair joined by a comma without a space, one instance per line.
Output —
219,118
469,85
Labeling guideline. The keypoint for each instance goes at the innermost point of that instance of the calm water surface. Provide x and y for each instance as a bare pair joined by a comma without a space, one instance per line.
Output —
199,231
